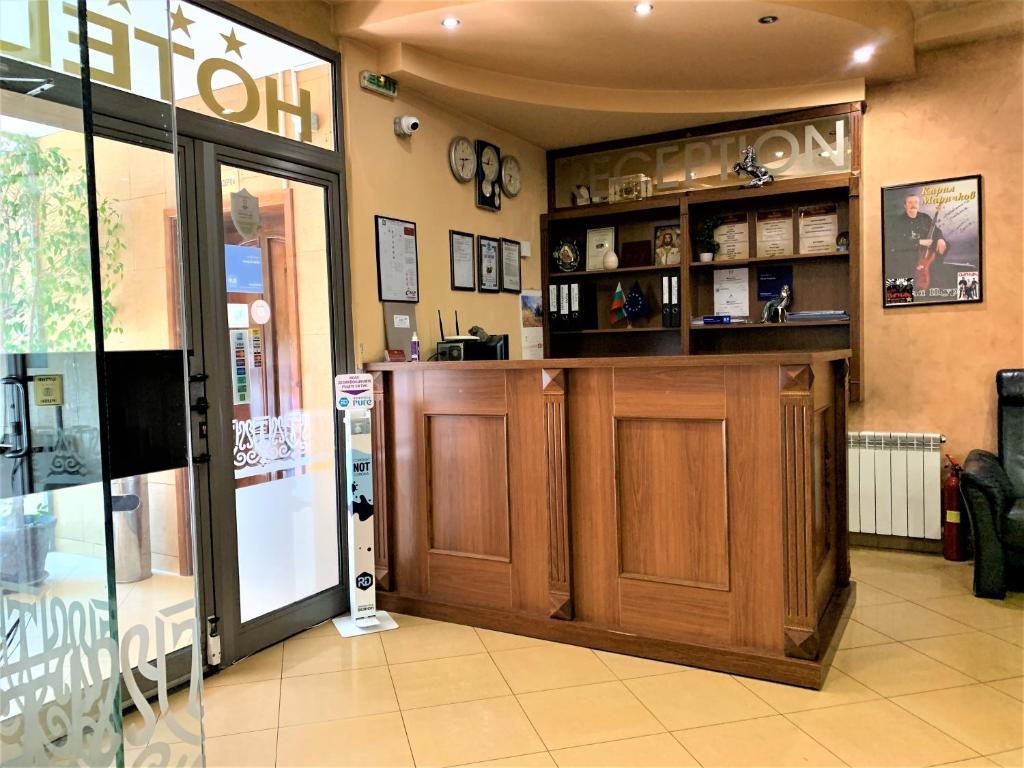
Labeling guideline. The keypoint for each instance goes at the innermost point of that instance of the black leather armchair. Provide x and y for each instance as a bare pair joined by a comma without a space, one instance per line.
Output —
993,489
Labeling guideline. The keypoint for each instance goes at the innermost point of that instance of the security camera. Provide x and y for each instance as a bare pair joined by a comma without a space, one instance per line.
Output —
406,125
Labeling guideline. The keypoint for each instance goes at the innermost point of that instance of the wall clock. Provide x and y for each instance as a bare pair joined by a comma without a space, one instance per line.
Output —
488,169
462,159
511,176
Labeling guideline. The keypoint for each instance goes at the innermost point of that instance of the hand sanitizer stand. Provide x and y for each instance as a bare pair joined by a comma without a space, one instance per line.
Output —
354,397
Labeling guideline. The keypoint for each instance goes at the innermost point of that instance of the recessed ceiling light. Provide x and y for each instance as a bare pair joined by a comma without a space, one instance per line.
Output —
643,9
779,153
450,22
863,54
767,19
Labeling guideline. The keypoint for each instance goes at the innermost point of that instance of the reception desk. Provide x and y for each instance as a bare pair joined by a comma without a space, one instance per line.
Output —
688,509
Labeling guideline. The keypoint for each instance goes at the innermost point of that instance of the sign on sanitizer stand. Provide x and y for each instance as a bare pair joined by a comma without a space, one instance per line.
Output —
354,397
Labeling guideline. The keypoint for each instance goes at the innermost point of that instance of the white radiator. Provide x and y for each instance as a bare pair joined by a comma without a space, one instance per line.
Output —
894,483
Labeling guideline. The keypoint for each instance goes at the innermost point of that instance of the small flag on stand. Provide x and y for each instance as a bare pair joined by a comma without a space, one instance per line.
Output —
618,310
636,307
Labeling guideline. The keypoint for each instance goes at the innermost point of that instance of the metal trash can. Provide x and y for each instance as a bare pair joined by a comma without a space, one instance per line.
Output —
133,558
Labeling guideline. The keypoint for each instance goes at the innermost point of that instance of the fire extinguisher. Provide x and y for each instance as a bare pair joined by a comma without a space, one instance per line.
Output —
954,534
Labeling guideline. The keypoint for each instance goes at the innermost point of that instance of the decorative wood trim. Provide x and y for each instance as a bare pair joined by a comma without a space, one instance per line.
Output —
381,510
559,535
840,403
801,625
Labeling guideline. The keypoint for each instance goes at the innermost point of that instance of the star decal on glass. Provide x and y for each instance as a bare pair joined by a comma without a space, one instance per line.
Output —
232,44
180,21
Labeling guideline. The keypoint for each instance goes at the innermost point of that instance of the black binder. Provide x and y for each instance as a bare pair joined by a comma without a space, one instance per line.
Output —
553,324
666,303
574,306
675,300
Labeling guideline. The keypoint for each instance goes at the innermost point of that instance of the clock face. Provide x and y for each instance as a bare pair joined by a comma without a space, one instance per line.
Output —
462,158
489,163
511,176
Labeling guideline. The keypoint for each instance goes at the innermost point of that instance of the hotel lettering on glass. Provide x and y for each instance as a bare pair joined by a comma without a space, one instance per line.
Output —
216,66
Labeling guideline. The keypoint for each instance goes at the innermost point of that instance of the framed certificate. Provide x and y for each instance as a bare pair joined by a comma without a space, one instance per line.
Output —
488,264
461,247
511,278
398,268
599,242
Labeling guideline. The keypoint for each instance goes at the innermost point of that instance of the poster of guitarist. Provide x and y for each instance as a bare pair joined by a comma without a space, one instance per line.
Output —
931,236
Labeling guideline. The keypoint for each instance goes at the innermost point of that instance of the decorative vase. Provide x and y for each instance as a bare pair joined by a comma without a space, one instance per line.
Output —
706,257
611,260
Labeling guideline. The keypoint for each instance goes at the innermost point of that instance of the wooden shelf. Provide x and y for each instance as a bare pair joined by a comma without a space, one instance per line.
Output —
820,183
767,326
667,202
730,263
608,272
658,329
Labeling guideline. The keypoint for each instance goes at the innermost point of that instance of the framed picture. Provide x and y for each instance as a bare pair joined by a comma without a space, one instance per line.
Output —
931,242
398,267
511,273
599,242
460,245
666,246
488,264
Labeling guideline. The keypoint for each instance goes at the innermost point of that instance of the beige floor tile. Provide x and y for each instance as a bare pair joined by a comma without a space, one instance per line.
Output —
408,620
658,751
447,681
503,641
979,612
429,640
265,665
323,628
550,666
240,708
156,754
977,654
869,595
588,714
906,621
894,558
970,762
696,698
856,635
767,741
312,655
879,733
916,585
362,742
984,719
838,689
627,667
1014,635
1012,759
895,669
244,750
1011,687
472,731
336,695
536,760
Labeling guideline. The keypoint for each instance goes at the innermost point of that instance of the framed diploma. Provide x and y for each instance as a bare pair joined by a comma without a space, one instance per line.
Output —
819,228
461,247
599,242
731,236
511,277
398,269
488,264
775,233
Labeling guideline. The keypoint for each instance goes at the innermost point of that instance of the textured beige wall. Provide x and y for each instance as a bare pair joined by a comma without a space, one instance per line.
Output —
933,369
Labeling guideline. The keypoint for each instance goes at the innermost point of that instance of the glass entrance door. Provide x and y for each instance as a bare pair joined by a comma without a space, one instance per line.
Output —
273,438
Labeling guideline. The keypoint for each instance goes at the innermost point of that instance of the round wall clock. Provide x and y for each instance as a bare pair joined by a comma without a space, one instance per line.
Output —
462,159
511,176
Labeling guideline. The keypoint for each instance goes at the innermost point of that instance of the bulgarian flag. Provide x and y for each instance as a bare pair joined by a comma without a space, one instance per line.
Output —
618,310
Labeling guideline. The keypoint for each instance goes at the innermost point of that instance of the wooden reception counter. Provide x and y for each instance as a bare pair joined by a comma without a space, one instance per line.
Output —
689,509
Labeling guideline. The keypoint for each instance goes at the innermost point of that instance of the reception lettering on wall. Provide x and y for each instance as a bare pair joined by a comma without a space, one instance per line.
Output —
209,63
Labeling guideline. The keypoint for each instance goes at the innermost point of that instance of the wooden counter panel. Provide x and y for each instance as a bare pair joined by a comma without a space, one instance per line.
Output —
468,465
408,518
455,391
670,392
470,581
675,612
673,521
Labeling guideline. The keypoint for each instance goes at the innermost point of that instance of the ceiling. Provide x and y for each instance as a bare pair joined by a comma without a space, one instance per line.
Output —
595,70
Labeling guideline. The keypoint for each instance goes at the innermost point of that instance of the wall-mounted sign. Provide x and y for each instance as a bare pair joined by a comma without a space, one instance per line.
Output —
217,66
48,389
243,268
245,213
260,311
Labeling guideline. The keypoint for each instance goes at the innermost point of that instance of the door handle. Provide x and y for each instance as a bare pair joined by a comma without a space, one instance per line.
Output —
18,446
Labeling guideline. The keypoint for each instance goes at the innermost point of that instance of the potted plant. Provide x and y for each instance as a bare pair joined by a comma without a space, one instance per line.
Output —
704,241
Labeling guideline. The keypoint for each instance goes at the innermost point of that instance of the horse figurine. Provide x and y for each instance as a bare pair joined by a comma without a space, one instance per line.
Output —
775,310
759,175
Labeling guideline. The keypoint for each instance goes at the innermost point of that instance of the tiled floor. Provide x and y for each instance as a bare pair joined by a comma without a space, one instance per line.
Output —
926,675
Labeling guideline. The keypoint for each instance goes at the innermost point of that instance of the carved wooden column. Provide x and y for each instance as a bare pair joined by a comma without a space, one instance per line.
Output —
841,398
378,428
801,622
559,541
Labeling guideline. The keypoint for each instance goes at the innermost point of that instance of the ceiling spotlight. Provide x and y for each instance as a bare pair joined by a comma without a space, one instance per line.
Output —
767,19
450,22
779,153
643,9
863,54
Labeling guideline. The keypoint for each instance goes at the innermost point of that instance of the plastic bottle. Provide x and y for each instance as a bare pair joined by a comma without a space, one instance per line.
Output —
414,348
